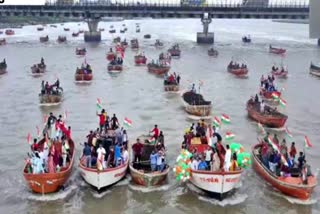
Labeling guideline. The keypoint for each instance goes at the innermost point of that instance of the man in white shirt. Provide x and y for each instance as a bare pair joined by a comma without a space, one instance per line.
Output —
125,155
227,159
208,158
101,153
194,163
262,107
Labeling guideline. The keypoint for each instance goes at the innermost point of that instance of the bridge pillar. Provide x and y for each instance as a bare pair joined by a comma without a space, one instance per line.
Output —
205,37
93,35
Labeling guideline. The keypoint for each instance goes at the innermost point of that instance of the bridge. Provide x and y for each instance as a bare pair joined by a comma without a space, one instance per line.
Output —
93,13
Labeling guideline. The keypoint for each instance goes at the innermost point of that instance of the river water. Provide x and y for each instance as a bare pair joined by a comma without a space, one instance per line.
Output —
138,95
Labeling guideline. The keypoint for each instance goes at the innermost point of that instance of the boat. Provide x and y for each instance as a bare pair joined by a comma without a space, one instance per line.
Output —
165,58
134,44
50,182
66,29
292,186
280,73
213,52
171,86
158,43
144,176
215,183
112,31
268,95
104,177
81,51
53,97
117,40
140,59
147,36
83,74
246,39
138,30
114,68
314,70
3,41
158,69
62,39
196,105
81,31
38,69
122,31
44,38
3,67
75,34
111,55
9,32
101,29
277,50
124,44
270,118
40,28
175,51
240,72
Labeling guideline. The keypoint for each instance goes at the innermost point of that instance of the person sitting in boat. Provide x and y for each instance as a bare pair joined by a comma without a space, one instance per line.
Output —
202,164
282,70
110,50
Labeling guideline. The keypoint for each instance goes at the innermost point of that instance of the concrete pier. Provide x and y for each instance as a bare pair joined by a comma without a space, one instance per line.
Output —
93,35
205,37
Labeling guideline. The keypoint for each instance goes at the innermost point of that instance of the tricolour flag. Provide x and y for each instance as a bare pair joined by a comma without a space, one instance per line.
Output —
225,118
216,122
288,133
275,95
282,102
99,104
38,131
229,136
273,144
127,122
307,143
29,138
261,128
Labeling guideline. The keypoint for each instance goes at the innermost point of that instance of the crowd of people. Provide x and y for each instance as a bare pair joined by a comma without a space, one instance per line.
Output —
47,89
52,153
85,69
289,165
235,65
116,61
106,147
275,69
267,83
215,157
172,79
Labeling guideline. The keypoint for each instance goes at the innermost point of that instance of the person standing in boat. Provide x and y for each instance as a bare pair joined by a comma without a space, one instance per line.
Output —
125,139
137,151
114,122
102,120
227,159
117,155
161,139
153,161
87,154
262,106
208,156
215,161
293,151
155,132
125,154
178,79
101,156
194,162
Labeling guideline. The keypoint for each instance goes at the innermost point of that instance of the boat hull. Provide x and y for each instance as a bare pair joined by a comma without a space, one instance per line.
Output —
268,95
50,182
158,71
3,71
238,72
277,50
140,60
279,74
83,77
50,99
217,183
284,185
148,179
114,68
171,88
110,56
105,178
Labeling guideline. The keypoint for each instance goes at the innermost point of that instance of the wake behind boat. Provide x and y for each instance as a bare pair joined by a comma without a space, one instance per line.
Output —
50,164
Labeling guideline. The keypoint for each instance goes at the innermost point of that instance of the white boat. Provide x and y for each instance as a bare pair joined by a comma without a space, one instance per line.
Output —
216,183
104,178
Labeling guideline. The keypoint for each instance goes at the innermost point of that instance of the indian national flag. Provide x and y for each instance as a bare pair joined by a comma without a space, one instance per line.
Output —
216,122
307,143
282,102
261,128
127,122
229,136
273,144
152,140
284,160
29,138
275,95
288,133
99,104
225,118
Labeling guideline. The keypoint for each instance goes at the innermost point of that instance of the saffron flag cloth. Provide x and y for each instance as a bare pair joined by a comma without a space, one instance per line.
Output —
275,95
229,136
216,122
225,119
99,104
127,123
307,143
273,144
288,133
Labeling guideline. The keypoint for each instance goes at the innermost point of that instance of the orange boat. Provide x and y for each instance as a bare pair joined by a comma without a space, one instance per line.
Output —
75,34
268,94
280,74
274,119
83,75
239,72
291,186
158,69
140,60
277,50
50,182
9,32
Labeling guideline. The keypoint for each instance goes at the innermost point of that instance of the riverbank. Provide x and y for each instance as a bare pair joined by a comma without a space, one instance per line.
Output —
293,21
